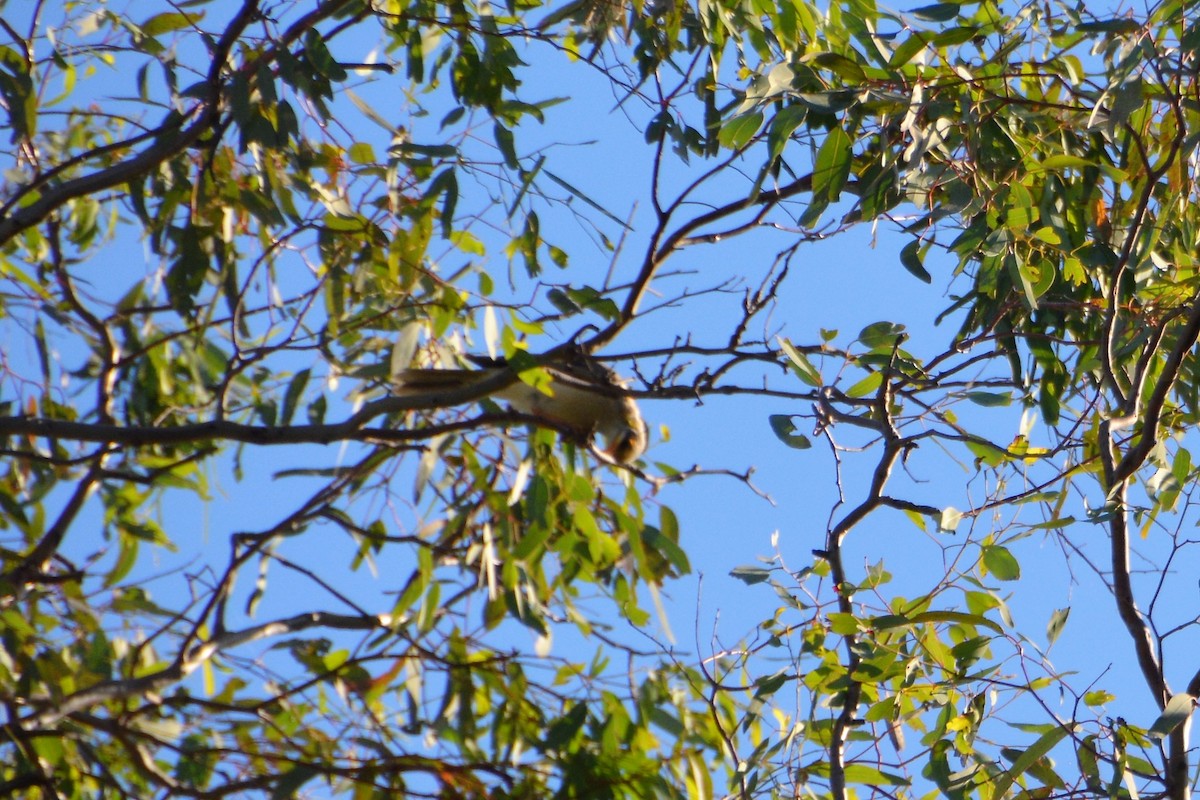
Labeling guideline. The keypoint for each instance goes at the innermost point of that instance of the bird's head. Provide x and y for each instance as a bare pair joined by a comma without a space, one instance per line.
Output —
625,437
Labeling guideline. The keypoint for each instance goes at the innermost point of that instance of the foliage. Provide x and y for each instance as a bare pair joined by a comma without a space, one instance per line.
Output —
324,194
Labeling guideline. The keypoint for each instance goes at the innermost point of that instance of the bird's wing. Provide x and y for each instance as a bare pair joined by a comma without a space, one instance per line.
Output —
586,401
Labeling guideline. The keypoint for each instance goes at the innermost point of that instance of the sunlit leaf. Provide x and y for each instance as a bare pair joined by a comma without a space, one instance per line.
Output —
740,130
169,21
1000,562
832,167
800,363
950,518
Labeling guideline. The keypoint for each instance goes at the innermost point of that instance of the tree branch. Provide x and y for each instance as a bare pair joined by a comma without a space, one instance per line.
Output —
192,659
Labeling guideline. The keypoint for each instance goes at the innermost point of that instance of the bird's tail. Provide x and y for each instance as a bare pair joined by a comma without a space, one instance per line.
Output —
415,381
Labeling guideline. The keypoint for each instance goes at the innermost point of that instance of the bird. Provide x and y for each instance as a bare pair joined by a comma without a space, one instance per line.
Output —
582,396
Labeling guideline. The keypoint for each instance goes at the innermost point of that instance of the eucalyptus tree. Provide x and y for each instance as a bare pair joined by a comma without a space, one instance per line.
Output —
241,557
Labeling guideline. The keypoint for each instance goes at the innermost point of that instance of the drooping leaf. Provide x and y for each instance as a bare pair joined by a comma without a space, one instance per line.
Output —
832,167
1179,708
910,257
1054,627
800,363
1030,756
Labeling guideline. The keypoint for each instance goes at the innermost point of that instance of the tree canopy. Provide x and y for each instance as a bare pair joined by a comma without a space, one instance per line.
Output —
236,561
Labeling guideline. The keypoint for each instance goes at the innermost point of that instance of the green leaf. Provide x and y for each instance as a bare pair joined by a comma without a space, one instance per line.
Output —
910,258
882,335
186,275
468,243
1057,621
506,144
858,772
581,195
779,79
956,35
830,102
1055,524
1036,279
770,684
1127,99
1085,756
1117,26
845,624
990,399
750,575
592,299
126,558
800,364
1098,697
832,167
562,301
405,148
449,190
1001,563
1060,162
1178,709
737,132
988,454
9,270
785,431
938,12
1048,235
1038,750
907,50
666,541
958,618
169,21
867,386
291,781
564,729
295,391
926,617
320,57
361,153
840,65
782,126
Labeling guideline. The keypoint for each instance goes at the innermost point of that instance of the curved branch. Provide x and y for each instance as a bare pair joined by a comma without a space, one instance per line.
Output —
31,564
660,251
1151,414
189,661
